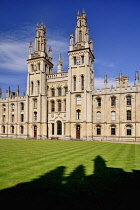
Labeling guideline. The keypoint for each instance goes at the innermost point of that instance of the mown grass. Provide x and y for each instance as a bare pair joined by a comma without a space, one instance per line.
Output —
24,161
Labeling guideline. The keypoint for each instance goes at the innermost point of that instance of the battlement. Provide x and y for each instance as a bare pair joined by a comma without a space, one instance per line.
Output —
57,75
117,90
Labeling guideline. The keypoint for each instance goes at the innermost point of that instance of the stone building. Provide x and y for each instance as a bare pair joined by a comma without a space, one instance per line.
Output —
64,104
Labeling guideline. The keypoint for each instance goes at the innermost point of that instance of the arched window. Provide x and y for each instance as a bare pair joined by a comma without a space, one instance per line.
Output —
38,45
98,102
53,92
35,115
128,130
3,118
80,36
113,101
59,91
113,115
22,117
59,128
59,106
65,105
32,87
98,130
128,100
12,129
82,82
78,114
98,115
78,100
22,106
13,107
74,60
113,130
38,65
3,129
4,107
21,129
32,67
35,103
12,118
82,58
66,90
38,86
52,106
52,128
74,83
128,114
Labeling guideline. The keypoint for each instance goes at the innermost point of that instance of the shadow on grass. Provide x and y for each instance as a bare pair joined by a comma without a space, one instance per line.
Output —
108,188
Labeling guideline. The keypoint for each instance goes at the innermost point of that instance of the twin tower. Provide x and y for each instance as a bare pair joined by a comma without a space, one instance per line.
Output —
65,97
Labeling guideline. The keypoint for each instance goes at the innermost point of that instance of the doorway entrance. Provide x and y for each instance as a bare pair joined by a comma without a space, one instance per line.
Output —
77,131
35,131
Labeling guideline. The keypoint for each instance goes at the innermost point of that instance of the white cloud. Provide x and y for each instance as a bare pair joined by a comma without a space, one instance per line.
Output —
59,47
14,49
13,55
99,82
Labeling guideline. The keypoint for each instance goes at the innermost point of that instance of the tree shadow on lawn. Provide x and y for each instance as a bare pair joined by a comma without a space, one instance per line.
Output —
108,188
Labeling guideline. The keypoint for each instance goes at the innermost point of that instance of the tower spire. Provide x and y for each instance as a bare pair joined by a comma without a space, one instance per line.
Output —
105,81
0,92
59,64
40,39
136,77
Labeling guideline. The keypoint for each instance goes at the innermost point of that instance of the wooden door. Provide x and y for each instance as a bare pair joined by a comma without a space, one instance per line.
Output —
35,131
78,132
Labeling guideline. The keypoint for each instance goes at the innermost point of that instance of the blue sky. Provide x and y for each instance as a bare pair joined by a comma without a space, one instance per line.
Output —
114,26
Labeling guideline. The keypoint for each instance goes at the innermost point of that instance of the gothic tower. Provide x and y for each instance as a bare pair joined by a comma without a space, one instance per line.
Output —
39,66
80,82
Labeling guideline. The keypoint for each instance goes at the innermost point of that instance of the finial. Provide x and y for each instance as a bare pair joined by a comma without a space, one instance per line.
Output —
84,11
41,24
78,13
0,92
59,64
59,60
71,39
17,90
30,48
137,75
50,52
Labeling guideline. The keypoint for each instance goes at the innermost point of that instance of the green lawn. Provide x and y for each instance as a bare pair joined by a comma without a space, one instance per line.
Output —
69,169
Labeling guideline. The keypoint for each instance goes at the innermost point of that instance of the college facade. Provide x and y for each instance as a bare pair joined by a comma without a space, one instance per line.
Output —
64,104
